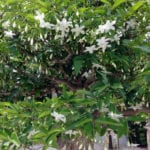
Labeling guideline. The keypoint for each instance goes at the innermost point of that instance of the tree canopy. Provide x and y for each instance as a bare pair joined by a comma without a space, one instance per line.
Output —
72,68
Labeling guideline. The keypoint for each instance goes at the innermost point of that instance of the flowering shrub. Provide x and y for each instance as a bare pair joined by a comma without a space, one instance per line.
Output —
71,69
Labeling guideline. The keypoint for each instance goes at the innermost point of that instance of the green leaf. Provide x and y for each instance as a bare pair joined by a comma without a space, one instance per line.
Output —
58,130
3,135
53,133
109,121
45,113
88,130
106,2
80,122
14,139
117,86
143,48
4,104
39,135
135,118
118,3
78,64
135,7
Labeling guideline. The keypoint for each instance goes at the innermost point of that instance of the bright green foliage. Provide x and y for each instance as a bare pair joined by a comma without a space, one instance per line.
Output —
94,55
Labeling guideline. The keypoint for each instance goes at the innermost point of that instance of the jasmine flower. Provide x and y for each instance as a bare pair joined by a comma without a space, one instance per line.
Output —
71,132
6,24
78,30
115,116
39,16
90,49
136,107
9,34
131,24
63,25
58,117
106,27
87,74
103,43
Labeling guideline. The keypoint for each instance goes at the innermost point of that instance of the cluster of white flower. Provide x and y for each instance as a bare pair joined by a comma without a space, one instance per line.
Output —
103,42
40,16
58,117
137,106
8,33
62,27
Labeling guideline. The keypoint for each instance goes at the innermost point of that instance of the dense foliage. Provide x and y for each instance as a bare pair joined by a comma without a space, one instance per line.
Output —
72,69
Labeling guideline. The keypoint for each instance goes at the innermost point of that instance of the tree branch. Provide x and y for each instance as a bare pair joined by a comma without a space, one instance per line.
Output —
131,112
65,60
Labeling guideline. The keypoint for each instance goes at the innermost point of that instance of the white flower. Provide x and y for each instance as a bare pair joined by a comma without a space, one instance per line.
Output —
6,24
147,37
39,16
14,70
109,25
14,25
104,109
87,74
70,132
116,38
96,66
103,43
82,40
36,46
78,30
115,116
31,41
63,25
90,49
106,27
148,27
26,28
44,24
58,117
137,107
131,24
9,34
